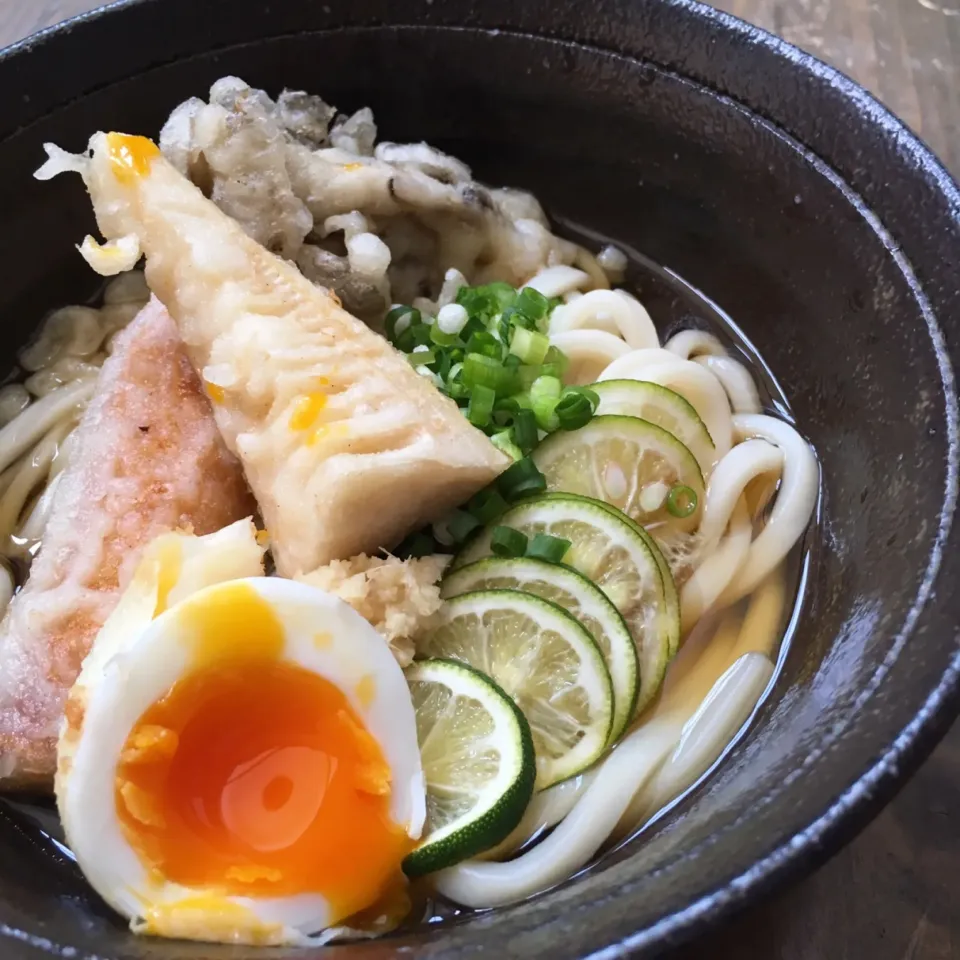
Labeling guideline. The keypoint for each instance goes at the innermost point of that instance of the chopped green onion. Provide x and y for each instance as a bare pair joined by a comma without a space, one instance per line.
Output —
507,542
511,362
452,318
481,403
525,430
503,441
479,370
473,326
681,501
487,505
405,341
526,375
555,363
545,547
485,302
532,303
531,347
573,411
421,334
544,396
417,545
522,479
421,357
395,325
442,339
591,395
443,366
486,344
461,524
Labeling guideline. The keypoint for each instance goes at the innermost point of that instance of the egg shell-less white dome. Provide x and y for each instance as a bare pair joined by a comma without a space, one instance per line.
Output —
142,673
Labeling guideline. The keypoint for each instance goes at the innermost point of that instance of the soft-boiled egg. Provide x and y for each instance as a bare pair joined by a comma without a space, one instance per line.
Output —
239,758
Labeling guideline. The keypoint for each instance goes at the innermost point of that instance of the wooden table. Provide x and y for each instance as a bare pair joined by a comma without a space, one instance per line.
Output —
893,893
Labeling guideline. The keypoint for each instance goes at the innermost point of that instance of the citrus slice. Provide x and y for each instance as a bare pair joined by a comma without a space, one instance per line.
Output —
619,557
545,660
478,762
636,466
581,599
660,406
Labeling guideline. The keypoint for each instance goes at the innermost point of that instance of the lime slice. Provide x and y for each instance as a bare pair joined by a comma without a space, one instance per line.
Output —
671,620
478,763
581,599
619,557
541,657
633,465
660,406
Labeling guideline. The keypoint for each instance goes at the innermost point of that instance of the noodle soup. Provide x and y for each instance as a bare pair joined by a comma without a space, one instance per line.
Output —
568,537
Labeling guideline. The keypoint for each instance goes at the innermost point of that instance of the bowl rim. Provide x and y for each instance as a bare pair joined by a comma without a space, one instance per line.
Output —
864,796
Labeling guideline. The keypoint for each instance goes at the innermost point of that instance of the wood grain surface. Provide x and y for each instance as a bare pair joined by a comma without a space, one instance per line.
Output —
893,893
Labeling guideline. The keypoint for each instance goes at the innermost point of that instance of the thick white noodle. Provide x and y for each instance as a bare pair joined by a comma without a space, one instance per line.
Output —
698,386
611,310
735,380
590,352
32,529
558,281
792,508
40,417
704,737
14,399
545,810
695,343
33,471
745,462
576,838
716,570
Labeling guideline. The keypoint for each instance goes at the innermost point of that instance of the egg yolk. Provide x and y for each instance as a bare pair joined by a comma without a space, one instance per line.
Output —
255,776
130,157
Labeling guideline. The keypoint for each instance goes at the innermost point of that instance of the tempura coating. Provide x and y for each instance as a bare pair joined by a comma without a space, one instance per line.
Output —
345,446
149,459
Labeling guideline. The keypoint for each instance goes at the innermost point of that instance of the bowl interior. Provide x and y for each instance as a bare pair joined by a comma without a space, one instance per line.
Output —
698,182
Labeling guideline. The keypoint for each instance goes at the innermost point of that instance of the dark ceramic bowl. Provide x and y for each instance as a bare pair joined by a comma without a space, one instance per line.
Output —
770,182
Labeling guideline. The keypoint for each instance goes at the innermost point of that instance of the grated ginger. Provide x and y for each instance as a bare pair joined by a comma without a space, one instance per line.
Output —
395,596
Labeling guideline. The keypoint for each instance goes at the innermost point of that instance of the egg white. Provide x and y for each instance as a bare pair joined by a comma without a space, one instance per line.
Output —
138,672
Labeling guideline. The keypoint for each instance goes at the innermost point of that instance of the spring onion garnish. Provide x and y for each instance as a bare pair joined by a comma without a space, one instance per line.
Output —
555,363
544,397
481,370
480,407
503,441
525,433
461,524
507,542
545,547
441,338
573,411
681,501
417,545
529,346
421,357
521,479
487,505
452,318
493,337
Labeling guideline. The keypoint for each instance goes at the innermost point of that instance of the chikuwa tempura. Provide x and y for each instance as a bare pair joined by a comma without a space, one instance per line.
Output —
368,544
